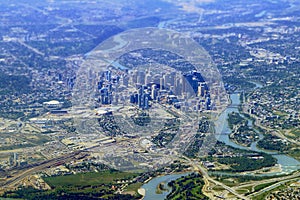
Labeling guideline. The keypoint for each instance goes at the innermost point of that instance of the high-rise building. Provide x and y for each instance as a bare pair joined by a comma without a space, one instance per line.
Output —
125,80
148,79
161,83
184,85
105,96
141,78
134,76
201,89
154,92
146,101
108,76
172,78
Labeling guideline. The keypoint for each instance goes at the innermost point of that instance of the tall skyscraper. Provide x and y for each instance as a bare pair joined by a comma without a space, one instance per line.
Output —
161,83
125,80
141,78
154,92
148,78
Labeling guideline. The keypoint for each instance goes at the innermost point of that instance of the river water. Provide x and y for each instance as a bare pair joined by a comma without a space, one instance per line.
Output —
151,186
287,163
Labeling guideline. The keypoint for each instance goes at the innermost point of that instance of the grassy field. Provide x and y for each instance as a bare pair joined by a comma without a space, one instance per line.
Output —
37,139
262,186
296,132
83,186
242,191
230,182
30,139
134,187
265,194
89,179
188,187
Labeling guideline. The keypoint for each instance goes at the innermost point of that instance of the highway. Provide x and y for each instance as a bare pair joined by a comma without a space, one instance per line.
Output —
292,176
271,187
200,169
22,173
277,181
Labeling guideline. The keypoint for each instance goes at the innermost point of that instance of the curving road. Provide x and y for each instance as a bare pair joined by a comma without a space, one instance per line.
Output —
205,175
22,173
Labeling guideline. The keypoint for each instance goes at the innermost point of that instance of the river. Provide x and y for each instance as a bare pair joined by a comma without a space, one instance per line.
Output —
151,186
287,163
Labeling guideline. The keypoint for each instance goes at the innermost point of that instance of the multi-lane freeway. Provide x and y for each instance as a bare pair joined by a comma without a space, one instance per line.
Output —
21,173
205,175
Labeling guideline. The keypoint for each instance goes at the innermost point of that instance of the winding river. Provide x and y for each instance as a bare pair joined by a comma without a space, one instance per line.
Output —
287,163
150,187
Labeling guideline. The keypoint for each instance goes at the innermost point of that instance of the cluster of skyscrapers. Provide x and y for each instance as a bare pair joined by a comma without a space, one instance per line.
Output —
141,87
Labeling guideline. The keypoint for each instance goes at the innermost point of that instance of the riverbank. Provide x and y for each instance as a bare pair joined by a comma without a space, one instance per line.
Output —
149,189
266,170
287,163
142,192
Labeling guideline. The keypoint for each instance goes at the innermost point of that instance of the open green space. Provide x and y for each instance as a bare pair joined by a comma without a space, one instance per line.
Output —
92,185
12,147
242,191
27,141
265,194
188,187
241,178
296,132
134,186
89,179
262,186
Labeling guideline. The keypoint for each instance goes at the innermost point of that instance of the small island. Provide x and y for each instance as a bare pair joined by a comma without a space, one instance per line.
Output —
161,188
241,134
